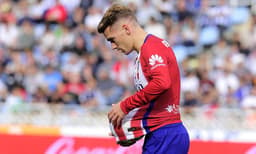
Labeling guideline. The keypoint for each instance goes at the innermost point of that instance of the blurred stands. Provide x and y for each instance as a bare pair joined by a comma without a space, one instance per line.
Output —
51,54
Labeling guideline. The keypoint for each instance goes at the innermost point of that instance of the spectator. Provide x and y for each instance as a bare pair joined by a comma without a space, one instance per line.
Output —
78,46
109,90
38,9
189,32
190,101
26,37
182,12
57,39
8,29
250,100
3,92
90,98
92,19
57,13
221,15
77,17
14,100
165,7
155,27
52,78
145,11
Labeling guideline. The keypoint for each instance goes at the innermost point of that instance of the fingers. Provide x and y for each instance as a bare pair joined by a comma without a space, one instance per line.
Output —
115,119
111,114
115,115
118,121
112,117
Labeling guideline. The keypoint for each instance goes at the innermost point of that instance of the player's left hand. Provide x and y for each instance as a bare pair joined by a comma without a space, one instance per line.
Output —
116,115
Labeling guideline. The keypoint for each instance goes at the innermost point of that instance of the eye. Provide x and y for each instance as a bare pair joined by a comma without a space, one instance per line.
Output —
111,40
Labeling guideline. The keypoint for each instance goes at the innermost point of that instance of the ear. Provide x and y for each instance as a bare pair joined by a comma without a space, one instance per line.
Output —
127,29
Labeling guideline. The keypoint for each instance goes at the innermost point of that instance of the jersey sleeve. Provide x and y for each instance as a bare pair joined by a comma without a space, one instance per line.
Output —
155,62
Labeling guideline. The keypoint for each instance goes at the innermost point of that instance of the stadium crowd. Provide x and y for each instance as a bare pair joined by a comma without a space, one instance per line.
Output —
51,52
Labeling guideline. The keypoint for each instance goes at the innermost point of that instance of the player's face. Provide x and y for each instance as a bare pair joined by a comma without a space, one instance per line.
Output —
119,38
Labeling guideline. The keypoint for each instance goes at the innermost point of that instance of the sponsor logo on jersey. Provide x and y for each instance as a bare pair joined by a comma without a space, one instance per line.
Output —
154,59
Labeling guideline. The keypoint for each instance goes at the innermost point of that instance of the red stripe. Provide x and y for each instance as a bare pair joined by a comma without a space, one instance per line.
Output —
121,135
137,121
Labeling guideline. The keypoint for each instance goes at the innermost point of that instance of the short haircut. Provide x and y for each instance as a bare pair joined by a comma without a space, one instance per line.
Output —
113,14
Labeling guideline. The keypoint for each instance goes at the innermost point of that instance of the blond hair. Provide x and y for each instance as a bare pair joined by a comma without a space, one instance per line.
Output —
113,14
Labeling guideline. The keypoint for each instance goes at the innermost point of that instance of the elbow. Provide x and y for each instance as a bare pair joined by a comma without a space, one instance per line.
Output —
164,85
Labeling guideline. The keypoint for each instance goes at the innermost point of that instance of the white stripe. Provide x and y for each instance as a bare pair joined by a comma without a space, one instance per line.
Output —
113,132
143,130
126,123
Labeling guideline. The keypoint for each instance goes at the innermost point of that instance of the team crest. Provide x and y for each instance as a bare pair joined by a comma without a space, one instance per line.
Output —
173,108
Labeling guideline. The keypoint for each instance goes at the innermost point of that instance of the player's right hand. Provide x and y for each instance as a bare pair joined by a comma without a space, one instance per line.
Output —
116,115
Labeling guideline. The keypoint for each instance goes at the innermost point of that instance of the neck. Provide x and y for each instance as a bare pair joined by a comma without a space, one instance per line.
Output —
139,38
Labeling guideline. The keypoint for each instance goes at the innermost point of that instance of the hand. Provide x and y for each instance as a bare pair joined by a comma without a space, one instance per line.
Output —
116,115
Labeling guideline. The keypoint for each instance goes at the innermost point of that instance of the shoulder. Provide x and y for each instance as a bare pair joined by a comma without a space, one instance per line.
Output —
154,45
154,42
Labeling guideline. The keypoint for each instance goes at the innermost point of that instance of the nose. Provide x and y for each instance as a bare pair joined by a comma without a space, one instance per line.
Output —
113,46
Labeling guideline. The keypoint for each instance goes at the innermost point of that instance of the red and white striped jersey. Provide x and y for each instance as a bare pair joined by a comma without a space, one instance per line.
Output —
156,102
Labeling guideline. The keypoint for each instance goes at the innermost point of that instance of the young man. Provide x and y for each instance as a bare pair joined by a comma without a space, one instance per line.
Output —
153,110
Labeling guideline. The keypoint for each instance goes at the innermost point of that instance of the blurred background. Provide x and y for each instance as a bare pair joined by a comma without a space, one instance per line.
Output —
59,77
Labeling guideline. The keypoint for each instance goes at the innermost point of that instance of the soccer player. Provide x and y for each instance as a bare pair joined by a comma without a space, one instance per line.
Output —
153,110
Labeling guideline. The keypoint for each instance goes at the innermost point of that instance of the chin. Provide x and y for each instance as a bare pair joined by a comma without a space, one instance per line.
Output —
127,52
